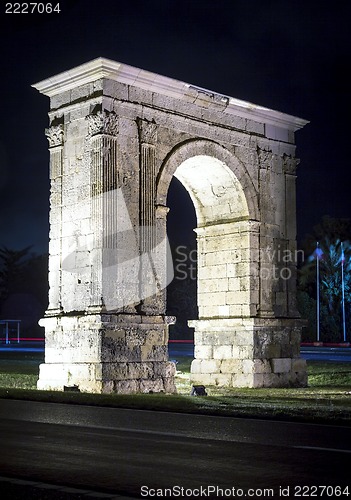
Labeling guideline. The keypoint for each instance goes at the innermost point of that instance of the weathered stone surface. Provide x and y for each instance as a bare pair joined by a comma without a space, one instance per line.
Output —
281,365
117,136
250,352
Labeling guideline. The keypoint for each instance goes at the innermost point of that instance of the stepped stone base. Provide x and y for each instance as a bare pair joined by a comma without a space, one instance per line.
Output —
121,354
248,353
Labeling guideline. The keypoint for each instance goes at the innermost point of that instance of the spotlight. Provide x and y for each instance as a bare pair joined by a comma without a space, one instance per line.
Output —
198,390
71,388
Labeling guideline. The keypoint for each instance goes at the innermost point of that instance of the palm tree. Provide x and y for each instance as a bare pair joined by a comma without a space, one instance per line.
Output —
330,263
331,277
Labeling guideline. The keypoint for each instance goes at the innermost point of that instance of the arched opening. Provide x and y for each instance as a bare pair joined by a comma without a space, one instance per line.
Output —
223,235
182,291
214,189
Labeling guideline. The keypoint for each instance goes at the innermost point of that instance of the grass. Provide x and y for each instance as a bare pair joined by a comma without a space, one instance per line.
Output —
326,399
19,370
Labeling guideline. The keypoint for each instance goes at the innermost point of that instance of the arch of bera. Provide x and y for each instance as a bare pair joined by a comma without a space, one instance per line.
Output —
117,136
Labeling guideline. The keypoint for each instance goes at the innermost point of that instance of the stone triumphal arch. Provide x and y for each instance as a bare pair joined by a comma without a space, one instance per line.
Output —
117,136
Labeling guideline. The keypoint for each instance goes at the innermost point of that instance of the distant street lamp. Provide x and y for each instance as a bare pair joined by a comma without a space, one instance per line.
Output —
343,292
318,253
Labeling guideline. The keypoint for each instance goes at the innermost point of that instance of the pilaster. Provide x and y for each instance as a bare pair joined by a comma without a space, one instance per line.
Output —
147,219
102,144
55,136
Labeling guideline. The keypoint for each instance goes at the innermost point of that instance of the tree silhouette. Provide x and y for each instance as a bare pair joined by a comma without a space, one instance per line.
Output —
23,288
11,268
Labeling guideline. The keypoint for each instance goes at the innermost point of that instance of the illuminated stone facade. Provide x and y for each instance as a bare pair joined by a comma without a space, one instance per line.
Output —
117,136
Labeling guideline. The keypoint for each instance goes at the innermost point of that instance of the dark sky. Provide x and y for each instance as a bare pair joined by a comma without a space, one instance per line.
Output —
293,56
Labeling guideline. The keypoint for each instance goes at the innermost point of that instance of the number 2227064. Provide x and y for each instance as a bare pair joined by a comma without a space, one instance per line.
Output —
32,8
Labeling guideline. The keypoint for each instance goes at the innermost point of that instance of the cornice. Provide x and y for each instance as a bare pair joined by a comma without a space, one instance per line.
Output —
105,68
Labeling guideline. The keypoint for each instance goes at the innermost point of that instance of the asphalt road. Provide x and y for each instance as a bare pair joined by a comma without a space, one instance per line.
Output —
338,354
133,452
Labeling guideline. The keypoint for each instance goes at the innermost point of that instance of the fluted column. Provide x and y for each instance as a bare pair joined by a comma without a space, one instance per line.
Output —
102,144
289,168
149,289
55,136
265,254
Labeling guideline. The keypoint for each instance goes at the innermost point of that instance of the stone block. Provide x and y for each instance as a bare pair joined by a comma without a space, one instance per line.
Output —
140,370
237,297
212,285
222,257
158,353
236,284
107,386
286,350
115,371
301,379
231,366
262,366
255,127
222,352
299,365
242,352
212,299
210,272
209,366
223,311
244,338
235,311
242,380
164,369
268,351
126,387
196,367
203,351
60,100
117,90
258,380
281,365
248,366
200,379
53,372
221,379
151,385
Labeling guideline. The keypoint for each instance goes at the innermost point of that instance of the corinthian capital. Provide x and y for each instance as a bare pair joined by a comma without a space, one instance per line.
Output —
265,158
290,164
103,122
54,135
147,131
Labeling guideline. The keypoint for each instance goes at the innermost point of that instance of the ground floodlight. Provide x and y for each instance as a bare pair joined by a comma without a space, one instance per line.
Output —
198,390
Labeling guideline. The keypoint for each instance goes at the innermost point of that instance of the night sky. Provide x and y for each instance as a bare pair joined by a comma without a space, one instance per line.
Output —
292,56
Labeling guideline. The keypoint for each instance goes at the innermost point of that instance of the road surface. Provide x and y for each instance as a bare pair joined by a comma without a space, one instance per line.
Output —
136,453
